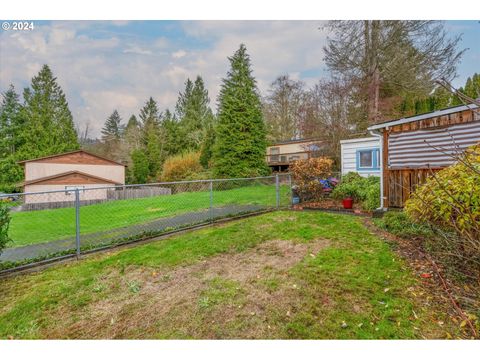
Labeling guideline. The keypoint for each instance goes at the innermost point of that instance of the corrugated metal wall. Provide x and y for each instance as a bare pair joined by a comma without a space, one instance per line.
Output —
430,147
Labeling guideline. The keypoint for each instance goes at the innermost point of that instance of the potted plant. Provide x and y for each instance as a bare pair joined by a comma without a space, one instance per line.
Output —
347,202
347,193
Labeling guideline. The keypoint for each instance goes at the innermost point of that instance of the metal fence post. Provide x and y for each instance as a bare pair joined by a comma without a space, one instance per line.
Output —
290,185
277,190
211,201
77,220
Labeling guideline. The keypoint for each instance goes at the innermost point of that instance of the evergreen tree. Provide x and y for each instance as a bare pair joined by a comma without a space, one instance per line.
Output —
11,127
194,113
206,150
140,168
132,122
49,127
151,137
10,123
441,98
113,128
132,134
171,134
240,143
183,102
472,86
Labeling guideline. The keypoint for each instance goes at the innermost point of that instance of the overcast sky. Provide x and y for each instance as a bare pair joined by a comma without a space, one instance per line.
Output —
106,65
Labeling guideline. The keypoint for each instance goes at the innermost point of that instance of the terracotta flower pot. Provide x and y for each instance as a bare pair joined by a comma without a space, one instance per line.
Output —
347,203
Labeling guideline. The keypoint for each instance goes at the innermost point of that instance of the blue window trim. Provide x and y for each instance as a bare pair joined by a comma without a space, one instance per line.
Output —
375,159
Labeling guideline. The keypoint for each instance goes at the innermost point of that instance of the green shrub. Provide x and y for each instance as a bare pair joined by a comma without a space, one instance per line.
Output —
398,223
182,167
372,196
4,224
450,200
351,177
306,175
365,191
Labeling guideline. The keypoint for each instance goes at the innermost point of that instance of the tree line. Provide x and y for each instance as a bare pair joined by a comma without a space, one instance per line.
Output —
377,70
231,142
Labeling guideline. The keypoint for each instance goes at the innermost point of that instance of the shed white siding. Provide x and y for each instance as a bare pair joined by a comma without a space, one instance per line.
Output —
349,150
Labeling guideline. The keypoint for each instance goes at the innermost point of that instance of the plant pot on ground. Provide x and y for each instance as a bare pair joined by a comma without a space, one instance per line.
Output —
347,203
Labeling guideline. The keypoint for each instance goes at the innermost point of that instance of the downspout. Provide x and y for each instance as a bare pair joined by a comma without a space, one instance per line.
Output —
379,136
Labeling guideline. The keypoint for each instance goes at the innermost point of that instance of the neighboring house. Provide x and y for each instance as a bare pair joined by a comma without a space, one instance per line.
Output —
411,148
68,171
361,155
281,154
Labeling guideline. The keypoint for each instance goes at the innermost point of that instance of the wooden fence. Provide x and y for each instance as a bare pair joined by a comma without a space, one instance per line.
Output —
112,194
131,193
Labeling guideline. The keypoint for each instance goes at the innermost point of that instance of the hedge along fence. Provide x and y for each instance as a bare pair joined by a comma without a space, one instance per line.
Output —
4,225
449,201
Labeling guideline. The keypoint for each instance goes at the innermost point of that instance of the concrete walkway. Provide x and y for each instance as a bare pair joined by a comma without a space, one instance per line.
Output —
103,238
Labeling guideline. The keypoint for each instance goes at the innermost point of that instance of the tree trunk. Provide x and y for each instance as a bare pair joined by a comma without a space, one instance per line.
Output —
371,47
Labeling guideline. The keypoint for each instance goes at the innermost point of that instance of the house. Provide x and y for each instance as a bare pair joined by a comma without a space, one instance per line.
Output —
361,155
281,154
69,171
412,147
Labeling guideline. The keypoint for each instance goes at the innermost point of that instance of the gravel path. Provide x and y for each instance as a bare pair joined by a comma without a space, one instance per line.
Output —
105,237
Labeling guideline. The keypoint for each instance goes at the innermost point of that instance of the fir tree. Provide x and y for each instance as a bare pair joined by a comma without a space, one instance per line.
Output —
132,122
151,136
140,169
11,128
10,123
49,127
194,113
171,134
113,128
206,150
132,134
240,143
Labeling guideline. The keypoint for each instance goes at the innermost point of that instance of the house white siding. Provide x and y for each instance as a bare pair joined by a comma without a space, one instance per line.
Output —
349,155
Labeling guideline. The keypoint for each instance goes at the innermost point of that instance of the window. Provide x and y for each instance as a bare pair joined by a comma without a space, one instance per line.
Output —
368,159
274,151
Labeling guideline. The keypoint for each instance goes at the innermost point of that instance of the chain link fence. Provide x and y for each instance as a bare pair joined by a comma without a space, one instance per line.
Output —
78,219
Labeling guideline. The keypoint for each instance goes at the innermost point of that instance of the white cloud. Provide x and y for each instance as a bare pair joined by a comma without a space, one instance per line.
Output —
101,73
137,50
179,54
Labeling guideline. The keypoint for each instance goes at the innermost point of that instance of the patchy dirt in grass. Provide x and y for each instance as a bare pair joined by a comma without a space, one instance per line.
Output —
430,290
214,298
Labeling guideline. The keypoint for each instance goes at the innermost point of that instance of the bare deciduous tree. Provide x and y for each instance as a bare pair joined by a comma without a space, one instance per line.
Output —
391,56
330,114
282,108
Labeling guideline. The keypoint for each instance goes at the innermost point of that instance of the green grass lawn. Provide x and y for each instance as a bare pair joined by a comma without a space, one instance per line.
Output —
279,275
47,225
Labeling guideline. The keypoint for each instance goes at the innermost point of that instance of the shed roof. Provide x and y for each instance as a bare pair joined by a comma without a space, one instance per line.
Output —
436,113
294,141
69,153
